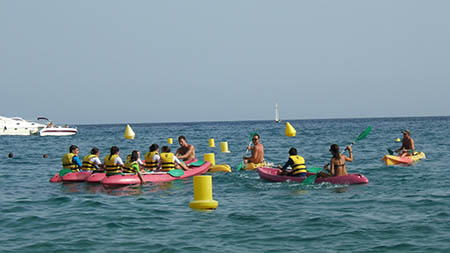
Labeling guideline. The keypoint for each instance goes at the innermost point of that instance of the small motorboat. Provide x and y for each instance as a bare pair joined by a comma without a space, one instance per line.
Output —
53,130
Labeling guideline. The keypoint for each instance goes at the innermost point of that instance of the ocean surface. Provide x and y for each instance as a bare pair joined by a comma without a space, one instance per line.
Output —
401,209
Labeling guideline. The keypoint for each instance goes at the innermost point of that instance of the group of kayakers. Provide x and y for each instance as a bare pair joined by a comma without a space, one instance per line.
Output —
155,160
165,160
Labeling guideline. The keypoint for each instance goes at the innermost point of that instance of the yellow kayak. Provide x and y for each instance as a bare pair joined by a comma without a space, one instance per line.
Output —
405,160
219,168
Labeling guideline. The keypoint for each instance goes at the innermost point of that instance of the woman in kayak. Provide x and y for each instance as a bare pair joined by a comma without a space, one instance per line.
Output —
337,162
297,164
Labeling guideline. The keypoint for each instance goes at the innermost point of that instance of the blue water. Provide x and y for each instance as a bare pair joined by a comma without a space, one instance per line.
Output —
402,209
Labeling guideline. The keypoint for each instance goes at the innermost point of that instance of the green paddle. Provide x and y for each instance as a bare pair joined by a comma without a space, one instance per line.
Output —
242,162
363,135
176,173
64,172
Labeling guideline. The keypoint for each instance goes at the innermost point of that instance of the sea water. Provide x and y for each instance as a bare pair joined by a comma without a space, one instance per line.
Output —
401,209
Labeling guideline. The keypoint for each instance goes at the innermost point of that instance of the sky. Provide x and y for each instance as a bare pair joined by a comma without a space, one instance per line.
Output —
109,61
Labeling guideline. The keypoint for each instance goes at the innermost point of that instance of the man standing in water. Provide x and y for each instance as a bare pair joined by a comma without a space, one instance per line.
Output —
407,144
257,158
185,151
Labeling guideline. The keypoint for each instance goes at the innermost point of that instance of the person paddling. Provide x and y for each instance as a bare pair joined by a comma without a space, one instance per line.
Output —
71,160
407,144
337,162
256,159
297,164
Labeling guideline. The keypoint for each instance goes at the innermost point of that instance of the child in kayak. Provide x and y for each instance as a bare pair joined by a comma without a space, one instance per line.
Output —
168,161
132,165
297,164
113,163
337,162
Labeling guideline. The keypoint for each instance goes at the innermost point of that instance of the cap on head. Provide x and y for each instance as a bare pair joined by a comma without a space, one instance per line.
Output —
406,131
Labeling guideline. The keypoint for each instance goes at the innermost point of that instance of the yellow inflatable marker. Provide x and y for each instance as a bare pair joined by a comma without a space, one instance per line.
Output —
397,140
170,140
211,143
210,157
290,131
224,147
129,133
203,194
219,168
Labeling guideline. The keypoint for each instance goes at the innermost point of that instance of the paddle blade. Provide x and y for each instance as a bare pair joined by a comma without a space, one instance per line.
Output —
364,134
64,172
197,163
314,169
391,152
309,180
176,173
240,166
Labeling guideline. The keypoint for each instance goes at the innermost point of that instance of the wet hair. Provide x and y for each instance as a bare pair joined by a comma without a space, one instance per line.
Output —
94,151
113,151
181,137
293,151
10,155
259,137
134,156
72,148
334,148
165,149
153,147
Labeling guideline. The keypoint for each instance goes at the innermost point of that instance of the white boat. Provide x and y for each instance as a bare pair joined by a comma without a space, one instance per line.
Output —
277,118
18,126
51,130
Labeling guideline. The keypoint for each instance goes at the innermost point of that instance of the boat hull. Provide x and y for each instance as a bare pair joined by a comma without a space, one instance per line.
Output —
406,160
58,131
153,177
271,174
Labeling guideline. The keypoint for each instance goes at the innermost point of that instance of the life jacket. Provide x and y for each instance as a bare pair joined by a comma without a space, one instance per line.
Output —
299,164
128,168
67,162
167,161
110,166
150,164
87,164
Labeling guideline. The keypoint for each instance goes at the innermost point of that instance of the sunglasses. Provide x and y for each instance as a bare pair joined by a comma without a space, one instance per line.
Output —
254,139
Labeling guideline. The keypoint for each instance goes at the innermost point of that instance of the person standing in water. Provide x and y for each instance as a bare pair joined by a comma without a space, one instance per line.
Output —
185,151
256,159
338,162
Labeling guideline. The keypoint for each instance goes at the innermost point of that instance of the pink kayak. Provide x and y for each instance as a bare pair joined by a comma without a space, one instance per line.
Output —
271,174
98,177
71,177
153,177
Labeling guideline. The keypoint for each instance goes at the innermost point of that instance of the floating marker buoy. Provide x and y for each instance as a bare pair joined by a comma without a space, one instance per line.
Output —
211,143
170,140
203,194
290,131
397,140
129,133
224,147
210,157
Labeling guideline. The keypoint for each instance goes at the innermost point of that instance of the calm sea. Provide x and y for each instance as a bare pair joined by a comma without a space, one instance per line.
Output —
402,209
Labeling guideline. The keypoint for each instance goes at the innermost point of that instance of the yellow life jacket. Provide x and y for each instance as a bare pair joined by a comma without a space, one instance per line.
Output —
150,164
167,161
110,166
67,162
87,164
129,168
299,164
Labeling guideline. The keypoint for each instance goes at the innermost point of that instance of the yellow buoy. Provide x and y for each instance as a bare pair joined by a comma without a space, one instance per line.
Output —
129,133
219,168
290,131
211,143
397,140
169,140
203,194
224,147
210,158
